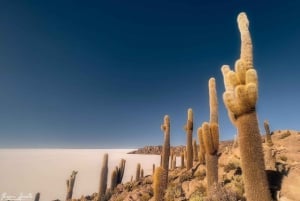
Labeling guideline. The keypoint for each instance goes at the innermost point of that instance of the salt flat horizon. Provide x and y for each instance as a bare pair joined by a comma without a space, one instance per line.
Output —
44,170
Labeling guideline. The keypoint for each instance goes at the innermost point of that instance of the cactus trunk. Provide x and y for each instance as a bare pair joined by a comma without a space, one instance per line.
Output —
252,161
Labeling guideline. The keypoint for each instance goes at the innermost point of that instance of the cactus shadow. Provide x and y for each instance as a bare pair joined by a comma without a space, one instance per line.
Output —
275,178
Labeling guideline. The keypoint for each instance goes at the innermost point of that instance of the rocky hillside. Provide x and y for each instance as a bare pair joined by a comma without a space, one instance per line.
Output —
282,167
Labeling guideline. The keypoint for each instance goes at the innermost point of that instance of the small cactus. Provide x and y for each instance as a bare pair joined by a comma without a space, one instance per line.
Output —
189,139
37,197
138,172
182,159
103,178
158,184
70,185
268,133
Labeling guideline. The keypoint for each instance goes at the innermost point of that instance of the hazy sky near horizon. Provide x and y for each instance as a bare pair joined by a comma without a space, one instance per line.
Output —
102,74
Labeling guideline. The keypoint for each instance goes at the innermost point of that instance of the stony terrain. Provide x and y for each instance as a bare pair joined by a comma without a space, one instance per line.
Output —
282,166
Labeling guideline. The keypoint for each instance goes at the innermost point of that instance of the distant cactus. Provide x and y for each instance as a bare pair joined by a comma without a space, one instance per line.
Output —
195,150
113,181
189,139
103,178
268,134
182,159
165,127
37,197
142,173
153,168
70,185
240,97
138,172
120,171
158,184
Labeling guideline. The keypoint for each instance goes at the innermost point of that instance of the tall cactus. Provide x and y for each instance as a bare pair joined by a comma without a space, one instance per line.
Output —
189,139
70,185
240,97
117,174
165,127
159,184
103,178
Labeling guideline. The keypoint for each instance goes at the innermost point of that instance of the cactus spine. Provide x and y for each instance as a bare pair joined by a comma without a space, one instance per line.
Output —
268,133
70,185
240,96
159,184
103,178
165,127
189,139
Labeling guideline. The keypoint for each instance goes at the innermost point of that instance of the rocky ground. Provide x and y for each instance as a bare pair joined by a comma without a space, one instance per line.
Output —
282,166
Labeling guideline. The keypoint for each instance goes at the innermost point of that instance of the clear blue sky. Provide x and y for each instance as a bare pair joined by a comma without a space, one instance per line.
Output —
102,74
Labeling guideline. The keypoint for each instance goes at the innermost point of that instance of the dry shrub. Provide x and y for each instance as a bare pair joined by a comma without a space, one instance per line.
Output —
222,193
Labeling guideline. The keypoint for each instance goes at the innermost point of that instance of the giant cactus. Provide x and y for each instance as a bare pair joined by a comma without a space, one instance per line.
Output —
240,97
103,178
165,127
189,139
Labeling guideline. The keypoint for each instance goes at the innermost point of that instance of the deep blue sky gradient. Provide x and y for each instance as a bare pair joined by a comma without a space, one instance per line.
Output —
102,74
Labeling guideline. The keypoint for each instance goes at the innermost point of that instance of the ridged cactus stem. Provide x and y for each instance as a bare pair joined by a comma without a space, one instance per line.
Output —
252,161
159,184
213,101
268,133
211,154
189,139
165,127
70,185
240,97
103,178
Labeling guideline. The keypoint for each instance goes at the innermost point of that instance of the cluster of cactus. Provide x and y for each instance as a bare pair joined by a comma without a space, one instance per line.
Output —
70,185
240,97
189,139
117,174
